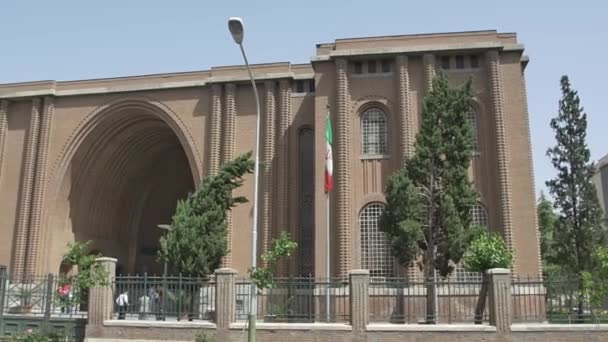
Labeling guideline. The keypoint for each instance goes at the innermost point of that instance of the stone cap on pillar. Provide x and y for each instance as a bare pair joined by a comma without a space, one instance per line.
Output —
359,272
498,271
225,270
106,259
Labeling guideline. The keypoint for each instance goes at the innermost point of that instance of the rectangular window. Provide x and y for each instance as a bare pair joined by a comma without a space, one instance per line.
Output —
371,67
299,86
445,62
459,62
386,65
474,61
358,66
311,86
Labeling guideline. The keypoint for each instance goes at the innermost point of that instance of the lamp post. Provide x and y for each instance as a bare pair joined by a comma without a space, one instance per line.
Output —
166,228
237,30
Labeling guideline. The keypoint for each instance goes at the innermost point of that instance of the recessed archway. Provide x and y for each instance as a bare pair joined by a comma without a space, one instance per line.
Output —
122,180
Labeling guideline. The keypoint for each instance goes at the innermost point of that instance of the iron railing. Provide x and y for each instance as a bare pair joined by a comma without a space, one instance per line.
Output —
173,298
297,300
402,300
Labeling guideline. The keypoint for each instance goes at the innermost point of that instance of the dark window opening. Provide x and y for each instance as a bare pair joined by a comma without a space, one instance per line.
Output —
459,62
299,87
445,62
371,67
386,65
311,86
474,61
358,67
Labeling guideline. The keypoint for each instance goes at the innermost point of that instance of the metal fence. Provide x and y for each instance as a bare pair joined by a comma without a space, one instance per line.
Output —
554,301
297,300
174,298
401,300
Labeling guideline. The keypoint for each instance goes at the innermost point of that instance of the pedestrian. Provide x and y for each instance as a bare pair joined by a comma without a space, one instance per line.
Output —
122,301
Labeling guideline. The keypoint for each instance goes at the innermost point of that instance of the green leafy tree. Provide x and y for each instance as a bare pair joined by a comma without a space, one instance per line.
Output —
487,250
579,229
196,243
280,248
429,200
88,273
547,219
596,283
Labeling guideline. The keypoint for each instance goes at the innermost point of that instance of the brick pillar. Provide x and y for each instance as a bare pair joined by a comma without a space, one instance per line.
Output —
215,127
3,131
405,109
39,189
229,144
25,192
101,298
284,123
359,294
267,165
499,296
493,59
343,177
429,70
225,306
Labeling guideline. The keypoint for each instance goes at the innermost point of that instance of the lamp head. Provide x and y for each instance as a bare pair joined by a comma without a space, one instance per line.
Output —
237,29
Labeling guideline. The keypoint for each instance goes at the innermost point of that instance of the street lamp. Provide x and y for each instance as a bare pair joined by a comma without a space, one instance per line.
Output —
237,30
166,228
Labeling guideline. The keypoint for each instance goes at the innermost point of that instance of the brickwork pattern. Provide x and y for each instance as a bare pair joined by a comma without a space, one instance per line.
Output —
40,184
429,70
267,167
101,299
25,198
343,160
3,132
229,145
283,163
405,109
215,128
493,59
500,303
224,299
359,294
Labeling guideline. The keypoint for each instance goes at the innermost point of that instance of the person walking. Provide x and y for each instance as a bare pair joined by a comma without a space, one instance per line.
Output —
122,301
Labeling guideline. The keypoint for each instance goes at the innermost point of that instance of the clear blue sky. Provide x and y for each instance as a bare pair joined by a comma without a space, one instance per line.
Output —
67,40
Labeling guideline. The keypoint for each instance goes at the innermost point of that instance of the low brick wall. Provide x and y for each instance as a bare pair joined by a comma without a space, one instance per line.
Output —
320,332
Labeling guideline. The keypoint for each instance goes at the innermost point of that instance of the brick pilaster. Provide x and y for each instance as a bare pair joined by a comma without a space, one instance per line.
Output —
282,214
269,154
34,244
359,294
405,109
343,177
101,298
229,145
3,132
225,291
25,195
429,70
215,128
499,296
493,59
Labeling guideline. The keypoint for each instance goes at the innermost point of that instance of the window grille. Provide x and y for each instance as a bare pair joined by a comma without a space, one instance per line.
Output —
374,132
459,62
306,218
375,248
479,216
474,120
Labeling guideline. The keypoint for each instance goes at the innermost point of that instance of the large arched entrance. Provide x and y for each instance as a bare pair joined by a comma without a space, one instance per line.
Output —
123,179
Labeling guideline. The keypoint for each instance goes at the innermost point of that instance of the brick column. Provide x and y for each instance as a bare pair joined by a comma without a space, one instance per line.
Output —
359,293
229,144
40,180
499,296
282,214
225,305
405,109
269,153
429,70
25,192
495,81
215,127
101,298
343,177
3,132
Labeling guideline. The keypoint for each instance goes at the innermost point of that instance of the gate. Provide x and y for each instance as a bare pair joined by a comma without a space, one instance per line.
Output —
39,304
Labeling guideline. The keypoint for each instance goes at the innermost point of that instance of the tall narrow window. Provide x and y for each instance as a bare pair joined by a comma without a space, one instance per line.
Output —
374,132
474,120
445,62
306,213
371,67
479,216
375,248
459,62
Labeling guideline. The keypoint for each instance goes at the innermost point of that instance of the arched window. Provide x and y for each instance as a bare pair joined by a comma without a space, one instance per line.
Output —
375,248
479,215
374,132
474,120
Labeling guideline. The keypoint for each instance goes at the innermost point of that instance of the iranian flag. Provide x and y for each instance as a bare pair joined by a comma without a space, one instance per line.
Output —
329,160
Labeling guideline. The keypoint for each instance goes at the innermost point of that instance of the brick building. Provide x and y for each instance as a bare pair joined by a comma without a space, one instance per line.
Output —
107,159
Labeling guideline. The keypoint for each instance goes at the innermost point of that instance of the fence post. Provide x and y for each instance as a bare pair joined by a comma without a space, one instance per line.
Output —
225,297
50,281
500,299
359,293
101,298
3,282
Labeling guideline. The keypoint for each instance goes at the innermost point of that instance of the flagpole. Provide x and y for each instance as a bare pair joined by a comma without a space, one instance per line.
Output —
327,273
